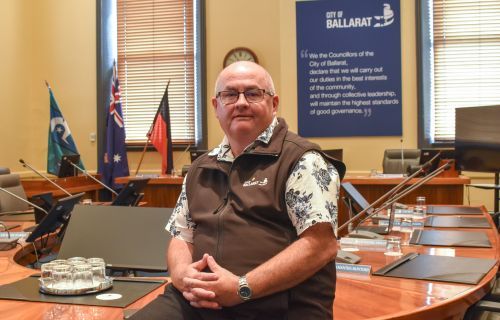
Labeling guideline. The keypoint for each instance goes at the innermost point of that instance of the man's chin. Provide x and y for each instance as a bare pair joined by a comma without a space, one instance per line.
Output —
243,127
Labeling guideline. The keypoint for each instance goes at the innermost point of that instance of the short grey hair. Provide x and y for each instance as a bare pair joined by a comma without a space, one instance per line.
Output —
268,78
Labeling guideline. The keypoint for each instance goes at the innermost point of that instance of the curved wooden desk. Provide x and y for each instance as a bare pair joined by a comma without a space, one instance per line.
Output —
357,297
11,271
163,190
34,186
362,297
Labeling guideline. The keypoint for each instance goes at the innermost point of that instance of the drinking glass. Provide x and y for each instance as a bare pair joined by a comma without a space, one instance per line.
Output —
62,277
75,260
406,228
98,270
46,276
393,246
82,276
420,207
406,225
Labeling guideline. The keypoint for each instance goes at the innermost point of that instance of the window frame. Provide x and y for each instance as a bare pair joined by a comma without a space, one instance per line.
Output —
425,75
106,53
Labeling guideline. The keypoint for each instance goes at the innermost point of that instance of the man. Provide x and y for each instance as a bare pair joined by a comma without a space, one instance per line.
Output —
254,225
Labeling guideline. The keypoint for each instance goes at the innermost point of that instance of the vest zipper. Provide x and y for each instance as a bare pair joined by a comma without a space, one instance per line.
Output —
221,205
220,235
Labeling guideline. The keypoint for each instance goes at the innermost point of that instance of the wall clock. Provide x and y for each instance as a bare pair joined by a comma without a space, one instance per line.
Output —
239,54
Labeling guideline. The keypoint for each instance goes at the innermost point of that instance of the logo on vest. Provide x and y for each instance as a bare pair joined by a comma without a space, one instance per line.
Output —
255,182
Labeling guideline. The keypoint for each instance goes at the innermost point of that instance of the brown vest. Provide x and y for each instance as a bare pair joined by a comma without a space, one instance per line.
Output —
242,220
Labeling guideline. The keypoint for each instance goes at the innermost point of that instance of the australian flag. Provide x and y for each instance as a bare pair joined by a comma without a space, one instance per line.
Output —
115,163
60,140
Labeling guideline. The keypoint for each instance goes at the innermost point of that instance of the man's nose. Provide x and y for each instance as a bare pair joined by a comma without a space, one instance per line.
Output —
242,100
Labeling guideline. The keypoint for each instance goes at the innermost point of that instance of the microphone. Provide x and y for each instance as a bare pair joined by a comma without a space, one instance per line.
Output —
402,159
24,200
26,165
88,175
405,192
384,196
422,169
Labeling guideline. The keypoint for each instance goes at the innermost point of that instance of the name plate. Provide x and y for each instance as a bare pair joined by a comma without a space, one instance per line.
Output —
397,223
403,211
354,268
360,242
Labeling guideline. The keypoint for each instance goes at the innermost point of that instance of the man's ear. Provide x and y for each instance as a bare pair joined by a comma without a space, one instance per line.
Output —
214,105
276,102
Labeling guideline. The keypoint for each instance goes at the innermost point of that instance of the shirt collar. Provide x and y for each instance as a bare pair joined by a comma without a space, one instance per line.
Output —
223,150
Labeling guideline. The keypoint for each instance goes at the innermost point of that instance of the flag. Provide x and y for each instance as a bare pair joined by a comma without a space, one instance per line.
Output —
115,163
160,135
60,139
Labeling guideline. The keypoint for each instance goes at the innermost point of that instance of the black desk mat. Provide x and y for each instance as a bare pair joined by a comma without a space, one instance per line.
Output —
438,268
456,222
130,290
461,210
450,238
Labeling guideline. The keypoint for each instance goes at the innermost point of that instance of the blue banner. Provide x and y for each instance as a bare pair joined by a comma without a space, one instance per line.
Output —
349,68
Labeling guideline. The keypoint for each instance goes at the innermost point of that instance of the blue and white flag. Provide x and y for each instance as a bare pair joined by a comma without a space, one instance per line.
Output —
60,140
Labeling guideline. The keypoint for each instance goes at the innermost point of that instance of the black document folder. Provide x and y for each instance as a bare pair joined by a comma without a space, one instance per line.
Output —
438,268
461,210
131,290
456,222
450,238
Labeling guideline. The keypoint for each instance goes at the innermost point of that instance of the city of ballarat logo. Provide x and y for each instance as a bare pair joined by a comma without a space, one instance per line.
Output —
337,20
255,182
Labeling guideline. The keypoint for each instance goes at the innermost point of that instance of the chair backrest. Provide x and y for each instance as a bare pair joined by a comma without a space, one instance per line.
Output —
336,153
12,183
393,162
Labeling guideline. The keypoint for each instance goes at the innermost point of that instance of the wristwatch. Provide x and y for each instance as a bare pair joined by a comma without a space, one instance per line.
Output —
244,291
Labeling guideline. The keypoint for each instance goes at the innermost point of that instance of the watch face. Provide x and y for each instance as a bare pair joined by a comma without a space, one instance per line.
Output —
239,54
245,292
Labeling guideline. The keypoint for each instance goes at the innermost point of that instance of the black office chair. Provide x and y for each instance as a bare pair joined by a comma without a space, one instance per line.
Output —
483,310
393,162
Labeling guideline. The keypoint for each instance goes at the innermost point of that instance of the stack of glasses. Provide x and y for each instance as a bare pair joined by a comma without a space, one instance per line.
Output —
74,275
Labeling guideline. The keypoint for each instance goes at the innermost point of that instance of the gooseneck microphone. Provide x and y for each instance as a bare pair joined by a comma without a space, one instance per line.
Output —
26,165
395,198
89,175
402,158
422,169
386,195
24,200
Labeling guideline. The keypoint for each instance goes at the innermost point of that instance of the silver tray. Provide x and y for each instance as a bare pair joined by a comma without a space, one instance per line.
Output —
108,283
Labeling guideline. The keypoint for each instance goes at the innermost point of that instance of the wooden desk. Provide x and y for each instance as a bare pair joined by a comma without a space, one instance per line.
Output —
74,185
357,297
164,190
436,191
161,191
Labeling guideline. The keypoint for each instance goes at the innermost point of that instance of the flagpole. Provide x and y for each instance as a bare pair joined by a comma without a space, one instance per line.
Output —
148,135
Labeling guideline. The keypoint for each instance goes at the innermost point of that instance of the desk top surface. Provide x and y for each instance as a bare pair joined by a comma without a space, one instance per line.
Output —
357,296
462,180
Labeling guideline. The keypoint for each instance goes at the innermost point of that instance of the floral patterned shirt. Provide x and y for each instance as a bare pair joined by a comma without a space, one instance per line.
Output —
311,192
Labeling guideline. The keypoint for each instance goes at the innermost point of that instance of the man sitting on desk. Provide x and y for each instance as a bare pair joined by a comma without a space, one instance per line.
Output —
254,225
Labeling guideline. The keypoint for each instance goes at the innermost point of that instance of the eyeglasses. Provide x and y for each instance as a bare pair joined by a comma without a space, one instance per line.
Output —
252,95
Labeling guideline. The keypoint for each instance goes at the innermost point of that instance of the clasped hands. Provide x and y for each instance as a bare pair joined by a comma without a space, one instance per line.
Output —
211,290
